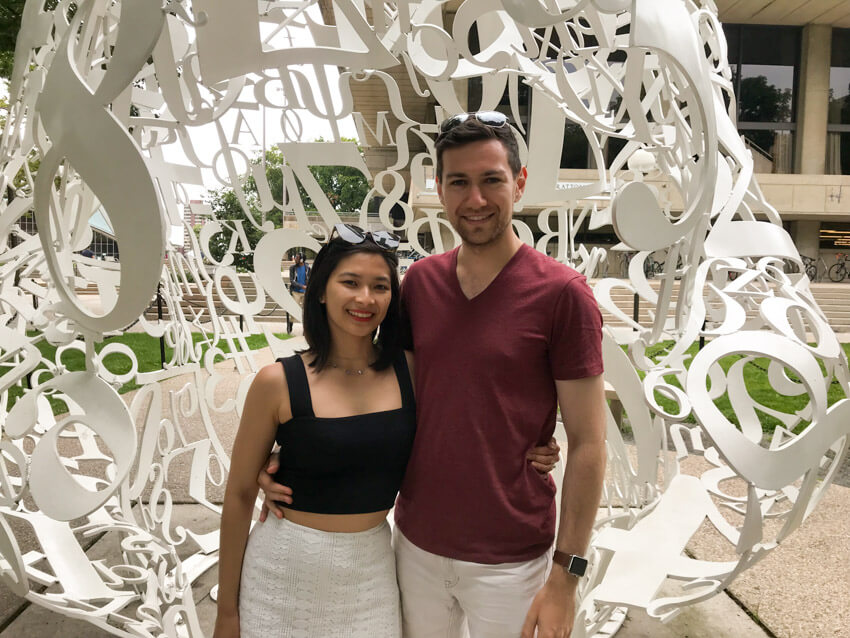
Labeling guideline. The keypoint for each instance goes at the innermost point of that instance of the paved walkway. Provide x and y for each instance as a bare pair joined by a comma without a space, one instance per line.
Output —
720,617
801,590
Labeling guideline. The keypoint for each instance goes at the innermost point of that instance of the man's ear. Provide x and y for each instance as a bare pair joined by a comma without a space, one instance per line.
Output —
440,190
521,178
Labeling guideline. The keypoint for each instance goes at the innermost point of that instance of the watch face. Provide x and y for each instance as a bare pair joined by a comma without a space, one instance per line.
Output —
578,565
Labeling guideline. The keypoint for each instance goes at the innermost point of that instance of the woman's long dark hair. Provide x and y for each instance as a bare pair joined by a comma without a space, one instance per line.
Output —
316,329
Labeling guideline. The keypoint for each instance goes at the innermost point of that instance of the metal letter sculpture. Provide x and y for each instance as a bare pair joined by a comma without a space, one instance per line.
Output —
102,88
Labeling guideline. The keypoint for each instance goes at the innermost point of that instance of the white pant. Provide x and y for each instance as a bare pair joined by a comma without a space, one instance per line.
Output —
438,594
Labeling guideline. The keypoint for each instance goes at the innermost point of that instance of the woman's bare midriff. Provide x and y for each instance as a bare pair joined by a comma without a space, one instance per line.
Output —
336,522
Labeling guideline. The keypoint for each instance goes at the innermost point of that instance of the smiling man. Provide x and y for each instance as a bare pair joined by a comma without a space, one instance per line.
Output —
502,335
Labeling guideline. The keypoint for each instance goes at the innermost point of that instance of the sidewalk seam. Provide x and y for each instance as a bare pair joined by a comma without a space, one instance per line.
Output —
751,614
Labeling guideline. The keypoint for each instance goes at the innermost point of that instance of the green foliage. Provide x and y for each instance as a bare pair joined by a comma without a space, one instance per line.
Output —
344,186
11,13
226,207
10,23
20,181
761,101
145,347
7,63
758,387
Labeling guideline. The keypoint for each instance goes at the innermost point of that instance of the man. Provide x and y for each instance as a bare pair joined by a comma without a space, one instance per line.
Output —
501,335
299,272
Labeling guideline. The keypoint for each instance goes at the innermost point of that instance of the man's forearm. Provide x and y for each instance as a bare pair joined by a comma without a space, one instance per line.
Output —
582,401
580,495
552,611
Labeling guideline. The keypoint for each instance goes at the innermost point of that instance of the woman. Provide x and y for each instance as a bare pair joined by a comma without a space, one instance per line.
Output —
348,420
344,415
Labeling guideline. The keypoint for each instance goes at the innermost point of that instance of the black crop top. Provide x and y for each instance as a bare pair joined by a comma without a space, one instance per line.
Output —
344,465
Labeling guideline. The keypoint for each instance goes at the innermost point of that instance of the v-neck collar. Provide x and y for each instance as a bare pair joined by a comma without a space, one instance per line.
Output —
508,266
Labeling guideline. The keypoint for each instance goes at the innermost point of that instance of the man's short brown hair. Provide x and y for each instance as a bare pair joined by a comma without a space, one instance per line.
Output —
471,130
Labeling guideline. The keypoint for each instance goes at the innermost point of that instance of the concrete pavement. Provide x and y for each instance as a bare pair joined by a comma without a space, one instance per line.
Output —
719,617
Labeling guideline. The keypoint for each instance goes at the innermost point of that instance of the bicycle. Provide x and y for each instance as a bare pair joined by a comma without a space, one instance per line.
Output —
838,271
651,267
810,267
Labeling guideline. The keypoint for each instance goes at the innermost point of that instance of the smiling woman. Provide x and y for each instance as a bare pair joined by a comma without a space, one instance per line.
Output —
344,415
329,275
357,295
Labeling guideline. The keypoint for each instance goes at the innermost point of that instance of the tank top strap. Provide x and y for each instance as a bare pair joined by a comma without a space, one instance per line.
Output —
402,373
300,400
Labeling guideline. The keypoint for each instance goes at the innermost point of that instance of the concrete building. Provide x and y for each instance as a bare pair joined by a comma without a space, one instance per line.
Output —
791,72
802,49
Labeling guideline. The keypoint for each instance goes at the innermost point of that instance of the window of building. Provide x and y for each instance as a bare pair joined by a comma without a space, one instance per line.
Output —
838,122
765,63
834,248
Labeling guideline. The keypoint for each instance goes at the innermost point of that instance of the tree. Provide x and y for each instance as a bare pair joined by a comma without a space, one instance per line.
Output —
11,13
344,186
10,23
20,180
226,207
763,102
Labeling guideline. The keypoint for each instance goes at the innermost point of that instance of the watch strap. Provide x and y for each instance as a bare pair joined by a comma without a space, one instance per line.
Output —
575,565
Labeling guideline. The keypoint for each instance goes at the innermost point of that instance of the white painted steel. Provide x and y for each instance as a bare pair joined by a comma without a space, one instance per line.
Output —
95,98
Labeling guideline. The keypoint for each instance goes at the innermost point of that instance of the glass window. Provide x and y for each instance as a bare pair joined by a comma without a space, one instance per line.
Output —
835,236
838,122
839,78
838,153
765,70
574,152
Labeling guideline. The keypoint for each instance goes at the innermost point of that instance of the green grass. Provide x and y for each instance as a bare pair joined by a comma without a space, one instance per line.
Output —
145,347
758,387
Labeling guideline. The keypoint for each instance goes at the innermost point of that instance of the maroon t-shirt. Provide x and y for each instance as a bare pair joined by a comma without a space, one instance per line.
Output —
485,394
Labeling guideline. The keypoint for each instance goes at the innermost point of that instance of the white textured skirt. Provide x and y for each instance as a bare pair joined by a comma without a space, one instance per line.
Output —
299,582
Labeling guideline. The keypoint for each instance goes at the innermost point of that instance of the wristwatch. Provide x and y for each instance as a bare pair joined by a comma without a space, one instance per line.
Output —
575,565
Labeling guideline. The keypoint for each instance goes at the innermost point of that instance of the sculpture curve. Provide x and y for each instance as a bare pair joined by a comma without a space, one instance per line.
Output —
96,111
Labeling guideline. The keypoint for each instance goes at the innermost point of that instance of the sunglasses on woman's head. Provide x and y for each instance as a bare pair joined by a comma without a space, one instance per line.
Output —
489,118
356,235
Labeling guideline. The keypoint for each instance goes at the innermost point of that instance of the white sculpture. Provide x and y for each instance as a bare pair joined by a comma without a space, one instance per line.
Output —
95,99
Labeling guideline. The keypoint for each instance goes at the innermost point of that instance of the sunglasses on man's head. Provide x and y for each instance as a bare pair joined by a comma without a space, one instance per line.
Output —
489,118
356,235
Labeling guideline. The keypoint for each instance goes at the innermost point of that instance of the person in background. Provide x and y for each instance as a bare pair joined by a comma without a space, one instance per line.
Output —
299,274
